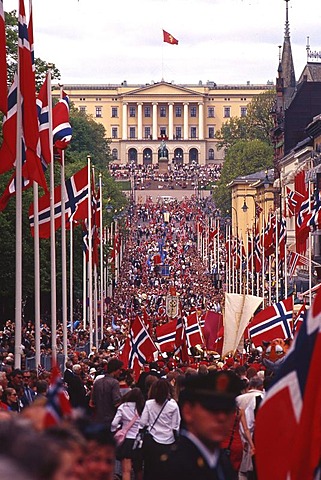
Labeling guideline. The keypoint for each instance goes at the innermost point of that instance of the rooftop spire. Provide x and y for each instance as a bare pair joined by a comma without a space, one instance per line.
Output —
287,60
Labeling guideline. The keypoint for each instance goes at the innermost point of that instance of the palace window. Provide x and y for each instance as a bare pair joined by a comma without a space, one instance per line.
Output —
114,112
114,153
243,111
132,111
178,111
227,112
99,112
211,112
162,112
132,132
147,111
193,112
211,132
193,132
82,109
147,134
114,132
211,154
178,133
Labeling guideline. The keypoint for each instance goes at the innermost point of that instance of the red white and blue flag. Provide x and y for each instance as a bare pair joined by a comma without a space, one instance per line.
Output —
76,205
165,335
139,348
274,321
62,131
293,201
43,118
9,130
193,331
300,317
31,168
293,452
3,62
58,405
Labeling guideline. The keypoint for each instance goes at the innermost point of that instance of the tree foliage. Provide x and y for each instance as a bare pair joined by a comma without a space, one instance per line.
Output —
257,124
242,158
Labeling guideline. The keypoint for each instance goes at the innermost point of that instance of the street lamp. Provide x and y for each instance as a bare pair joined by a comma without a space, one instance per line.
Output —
245,207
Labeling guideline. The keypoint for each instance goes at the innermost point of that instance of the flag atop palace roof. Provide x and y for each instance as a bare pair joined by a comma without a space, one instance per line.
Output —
168,38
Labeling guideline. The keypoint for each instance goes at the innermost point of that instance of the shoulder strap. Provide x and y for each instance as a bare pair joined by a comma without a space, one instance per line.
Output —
130,424
159,414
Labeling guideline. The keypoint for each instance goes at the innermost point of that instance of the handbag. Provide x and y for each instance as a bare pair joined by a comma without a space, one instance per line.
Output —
145,439
120,435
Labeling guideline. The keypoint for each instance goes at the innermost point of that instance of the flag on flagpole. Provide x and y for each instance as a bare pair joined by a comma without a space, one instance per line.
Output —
62,131
180,341
294,402
9,130
165,335
3,62
212,324
31,169
274,321
168,38
76,195
58,404
139,348
193,331
299,318
43,119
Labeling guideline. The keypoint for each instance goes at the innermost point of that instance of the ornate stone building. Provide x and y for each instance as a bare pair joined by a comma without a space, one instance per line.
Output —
186,117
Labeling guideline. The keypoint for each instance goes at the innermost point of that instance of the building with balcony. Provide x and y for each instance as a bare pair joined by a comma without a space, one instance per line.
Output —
186,117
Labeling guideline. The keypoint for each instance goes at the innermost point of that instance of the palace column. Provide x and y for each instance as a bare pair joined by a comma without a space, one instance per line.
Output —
170,121
155,128
125,126
140,121
201,121
185,133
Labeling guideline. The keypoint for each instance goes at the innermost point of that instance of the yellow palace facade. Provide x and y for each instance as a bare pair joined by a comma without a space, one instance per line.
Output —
138,117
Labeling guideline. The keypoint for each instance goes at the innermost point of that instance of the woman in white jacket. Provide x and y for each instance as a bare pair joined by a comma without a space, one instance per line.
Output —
162,418
132,405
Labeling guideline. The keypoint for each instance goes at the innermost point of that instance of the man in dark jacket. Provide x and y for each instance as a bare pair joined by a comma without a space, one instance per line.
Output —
207,407
105,395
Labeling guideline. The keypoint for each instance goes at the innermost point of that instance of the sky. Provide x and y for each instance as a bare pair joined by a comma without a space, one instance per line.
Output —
224,41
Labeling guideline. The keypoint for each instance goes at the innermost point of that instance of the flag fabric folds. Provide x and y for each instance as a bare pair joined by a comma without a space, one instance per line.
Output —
294,402
165,335
239,309
43,119
9,130
274,321
76,194
31,168
58,405
213,322
139,348
168,38
3,62
193,331
62,131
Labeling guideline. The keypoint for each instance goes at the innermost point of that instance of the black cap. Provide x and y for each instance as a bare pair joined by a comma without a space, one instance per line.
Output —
214,391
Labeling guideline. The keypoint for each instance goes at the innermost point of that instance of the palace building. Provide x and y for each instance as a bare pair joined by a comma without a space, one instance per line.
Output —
138,117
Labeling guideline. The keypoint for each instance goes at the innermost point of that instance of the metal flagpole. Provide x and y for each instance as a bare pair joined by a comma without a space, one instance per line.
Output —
102,303
37,272
252,265
64,256
71,274
90,252
247,266
85,290
277,254
263,258
52,245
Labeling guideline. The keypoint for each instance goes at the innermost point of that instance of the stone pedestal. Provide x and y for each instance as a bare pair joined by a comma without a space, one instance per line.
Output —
163,164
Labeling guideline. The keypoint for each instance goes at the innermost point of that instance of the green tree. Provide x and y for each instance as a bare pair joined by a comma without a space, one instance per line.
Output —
256,125
12,53
242,158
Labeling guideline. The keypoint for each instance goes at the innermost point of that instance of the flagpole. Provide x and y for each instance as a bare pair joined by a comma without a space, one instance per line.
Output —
84,289
36,243
18,259
102,303
52,243
263,259
71,273
277,255
252,264
90,272
63,255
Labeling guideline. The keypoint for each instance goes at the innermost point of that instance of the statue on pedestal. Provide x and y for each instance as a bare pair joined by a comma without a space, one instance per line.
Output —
163,150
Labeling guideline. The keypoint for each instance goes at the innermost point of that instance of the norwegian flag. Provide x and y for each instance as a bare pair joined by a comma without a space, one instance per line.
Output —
43,119
76,194
258,210
9,130
3,62
249,252
269,236
293,201
302,228
193,330
180,341
165,335
300,317
139,348
274,321
293,401
212,235
295,260
62,131
58,405
31,168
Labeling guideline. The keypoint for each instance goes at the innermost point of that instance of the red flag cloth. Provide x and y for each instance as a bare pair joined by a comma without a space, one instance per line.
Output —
165,335
300,187
3,62
193,330
293,401
212,325
32,168
43,116
168,38
9,130
76,194
274,321
139,347
180,341
58,404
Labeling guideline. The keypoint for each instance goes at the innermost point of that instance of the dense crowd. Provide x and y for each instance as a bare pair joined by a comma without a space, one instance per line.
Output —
174,400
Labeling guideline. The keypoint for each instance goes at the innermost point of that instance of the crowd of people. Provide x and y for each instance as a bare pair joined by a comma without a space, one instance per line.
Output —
179,176
200,413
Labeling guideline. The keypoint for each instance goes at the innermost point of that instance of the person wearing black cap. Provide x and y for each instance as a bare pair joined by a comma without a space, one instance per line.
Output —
207,405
